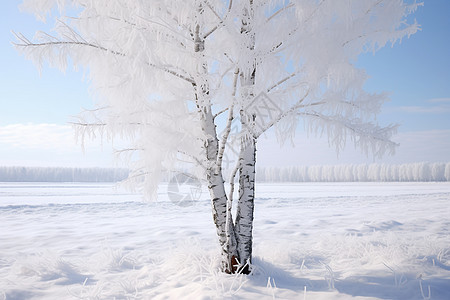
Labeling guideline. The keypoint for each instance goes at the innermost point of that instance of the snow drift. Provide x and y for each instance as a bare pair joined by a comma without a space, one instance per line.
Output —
328,241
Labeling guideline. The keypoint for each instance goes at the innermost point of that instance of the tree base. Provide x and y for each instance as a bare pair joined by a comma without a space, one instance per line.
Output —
236,268
245,269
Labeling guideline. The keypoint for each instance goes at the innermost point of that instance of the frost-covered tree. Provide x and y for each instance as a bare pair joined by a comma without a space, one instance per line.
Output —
192,83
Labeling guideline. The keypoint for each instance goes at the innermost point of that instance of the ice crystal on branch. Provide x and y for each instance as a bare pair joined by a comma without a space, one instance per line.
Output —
173,77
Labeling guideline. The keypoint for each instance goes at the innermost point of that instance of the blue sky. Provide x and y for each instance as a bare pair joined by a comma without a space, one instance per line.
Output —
35,108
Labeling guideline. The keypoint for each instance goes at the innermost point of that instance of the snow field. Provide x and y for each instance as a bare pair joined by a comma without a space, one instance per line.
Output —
312,241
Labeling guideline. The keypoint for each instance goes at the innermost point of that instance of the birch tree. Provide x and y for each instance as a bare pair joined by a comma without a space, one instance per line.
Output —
192,83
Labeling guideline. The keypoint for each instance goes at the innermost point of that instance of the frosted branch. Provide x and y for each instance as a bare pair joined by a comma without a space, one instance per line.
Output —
213,11
281,82
378,138
27,43
87,124
290,111
284,8
140,55
293,31
199,163
222,20
221,112
232,179
373,6
165,26
137,27
225,136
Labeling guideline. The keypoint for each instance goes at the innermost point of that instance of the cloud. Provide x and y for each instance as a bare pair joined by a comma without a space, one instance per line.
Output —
434,106
439,100
440,109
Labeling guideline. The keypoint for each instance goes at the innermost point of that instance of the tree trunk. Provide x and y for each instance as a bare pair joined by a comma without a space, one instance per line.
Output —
244,216
247,155
223,222
221,207
221,214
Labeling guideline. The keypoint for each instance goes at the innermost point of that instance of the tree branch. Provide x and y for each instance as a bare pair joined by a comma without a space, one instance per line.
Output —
213,11
225,136
222,20
167,27
85,124
220,112
292,110
358,37
281,81
232,177
277,46
193,158
284,8
27,43
229,121
371,131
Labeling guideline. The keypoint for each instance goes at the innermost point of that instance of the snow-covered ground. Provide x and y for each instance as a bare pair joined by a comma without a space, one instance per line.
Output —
312,241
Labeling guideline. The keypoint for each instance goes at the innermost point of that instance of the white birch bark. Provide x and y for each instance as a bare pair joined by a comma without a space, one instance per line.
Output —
145,52
221,214
247,155
245,208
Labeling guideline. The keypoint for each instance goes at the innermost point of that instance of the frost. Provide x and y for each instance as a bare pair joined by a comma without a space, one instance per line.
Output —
145,71
165,72
357,173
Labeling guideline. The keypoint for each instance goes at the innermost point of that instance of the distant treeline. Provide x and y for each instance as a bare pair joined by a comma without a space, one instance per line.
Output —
326,173
362,172
58,174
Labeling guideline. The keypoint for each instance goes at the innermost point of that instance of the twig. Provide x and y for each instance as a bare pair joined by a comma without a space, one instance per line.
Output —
27,43
279,11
